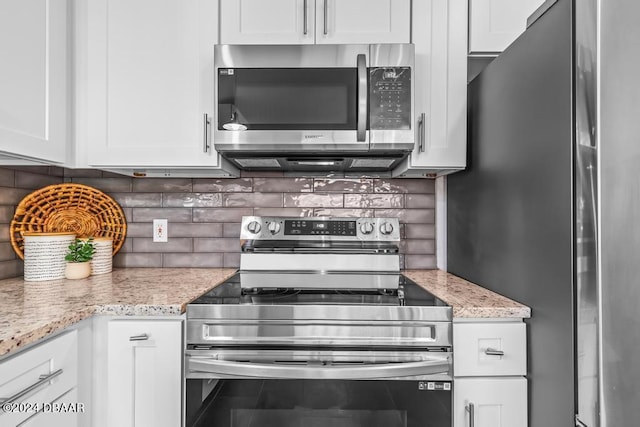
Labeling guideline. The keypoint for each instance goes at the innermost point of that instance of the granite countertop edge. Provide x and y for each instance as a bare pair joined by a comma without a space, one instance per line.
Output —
467,300
130,293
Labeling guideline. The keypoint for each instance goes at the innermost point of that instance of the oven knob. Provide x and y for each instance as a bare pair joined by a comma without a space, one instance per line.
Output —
254,227
274,227
366,228
386,228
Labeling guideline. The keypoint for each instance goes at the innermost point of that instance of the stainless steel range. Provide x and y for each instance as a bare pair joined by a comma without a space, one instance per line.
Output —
317,307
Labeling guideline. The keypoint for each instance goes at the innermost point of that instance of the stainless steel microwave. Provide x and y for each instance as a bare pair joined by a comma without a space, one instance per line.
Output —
314,107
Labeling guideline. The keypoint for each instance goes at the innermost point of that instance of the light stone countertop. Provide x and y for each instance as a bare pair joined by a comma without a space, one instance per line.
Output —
30,311
467,299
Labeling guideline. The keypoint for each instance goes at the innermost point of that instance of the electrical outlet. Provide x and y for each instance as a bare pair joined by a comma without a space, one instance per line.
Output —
160,230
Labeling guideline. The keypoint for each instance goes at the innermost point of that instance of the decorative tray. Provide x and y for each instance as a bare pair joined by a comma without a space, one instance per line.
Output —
73,208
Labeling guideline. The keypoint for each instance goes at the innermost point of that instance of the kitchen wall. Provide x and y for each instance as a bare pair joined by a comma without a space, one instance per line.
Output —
204,214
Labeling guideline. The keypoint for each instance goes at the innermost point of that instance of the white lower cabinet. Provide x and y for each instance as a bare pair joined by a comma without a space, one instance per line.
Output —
490,367
492,402
37,378
144,373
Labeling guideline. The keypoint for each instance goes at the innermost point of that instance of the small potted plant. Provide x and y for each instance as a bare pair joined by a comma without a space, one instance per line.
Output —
78,259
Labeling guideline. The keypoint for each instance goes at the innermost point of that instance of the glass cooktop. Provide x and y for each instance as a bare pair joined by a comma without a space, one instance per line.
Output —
319,289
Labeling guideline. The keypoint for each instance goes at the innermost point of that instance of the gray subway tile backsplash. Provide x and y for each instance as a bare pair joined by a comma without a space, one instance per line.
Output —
283,185
235,185
220,215
313,200
198,260
170,214
6,214
176,244
137,260
192,200
34,180
204,214
374,200
7,178
6,252
419,201
138,200
263,200
162,185
343,185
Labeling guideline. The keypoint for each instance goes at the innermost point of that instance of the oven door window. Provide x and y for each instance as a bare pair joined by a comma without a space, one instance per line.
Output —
316,403
288,98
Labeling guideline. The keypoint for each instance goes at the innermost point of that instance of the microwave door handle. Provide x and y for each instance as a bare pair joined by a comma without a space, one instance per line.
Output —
362,372
362,98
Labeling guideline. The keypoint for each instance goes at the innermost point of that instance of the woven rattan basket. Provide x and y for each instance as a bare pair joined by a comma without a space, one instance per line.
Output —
72,208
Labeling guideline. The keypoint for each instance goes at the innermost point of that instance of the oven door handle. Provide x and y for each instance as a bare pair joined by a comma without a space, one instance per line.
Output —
310,371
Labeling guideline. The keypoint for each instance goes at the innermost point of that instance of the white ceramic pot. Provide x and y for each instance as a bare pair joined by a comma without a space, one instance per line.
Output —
77,270
44,255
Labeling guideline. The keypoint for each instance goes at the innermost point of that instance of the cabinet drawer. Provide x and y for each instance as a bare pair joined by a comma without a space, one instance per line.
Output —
55,358
489,349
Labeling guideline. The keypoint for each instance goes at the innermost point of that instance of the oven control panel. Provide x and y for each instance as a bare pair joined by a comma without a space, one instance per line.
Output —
302,226
321,228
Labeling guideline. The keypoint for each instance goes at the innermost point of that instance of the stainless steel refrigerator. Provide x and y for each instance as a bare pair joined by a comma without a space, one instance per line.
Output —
548,211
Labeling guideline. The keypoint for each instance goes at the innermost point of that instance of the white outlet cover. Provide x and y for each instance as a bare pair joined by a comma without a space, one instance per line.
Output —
160,230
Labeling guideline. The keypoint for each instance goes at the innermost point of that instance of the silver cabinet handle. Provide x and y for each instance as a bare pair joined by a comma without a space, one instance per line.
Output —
304,14
326,9
493,352
362,97
207,122
421,132
471,410
141,337
42,379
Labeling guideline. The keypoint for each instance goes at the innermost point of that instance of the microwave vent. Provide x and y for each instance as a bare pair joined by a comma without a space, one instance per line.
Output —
372,163
258,163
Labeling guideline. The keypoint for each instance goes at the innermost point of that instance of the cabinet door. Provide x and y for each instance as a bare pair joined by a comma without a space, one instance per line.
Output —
144,365
363,21
267,22
492,402
33,79
149,82
495,24
440,37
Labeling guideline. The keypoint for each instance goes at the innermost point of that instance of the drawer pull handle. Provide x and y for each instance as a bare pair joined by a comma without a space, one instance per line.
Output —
42,379
141,337
471,410
493,352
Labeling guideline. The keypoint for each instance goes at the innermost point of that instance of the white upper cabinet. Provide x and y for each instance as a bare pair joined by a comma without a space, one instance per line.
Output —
33,79
145,78
440,38
363,21
267,22
495,24
314,21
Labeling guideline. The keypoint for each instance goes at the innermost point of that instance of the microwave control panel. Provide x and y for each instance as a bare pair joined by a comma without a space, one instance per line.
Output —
389,98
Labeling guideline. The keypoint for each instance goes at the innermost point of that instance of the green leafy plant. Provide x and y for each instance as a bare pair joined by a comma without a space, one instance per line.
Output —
80,251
